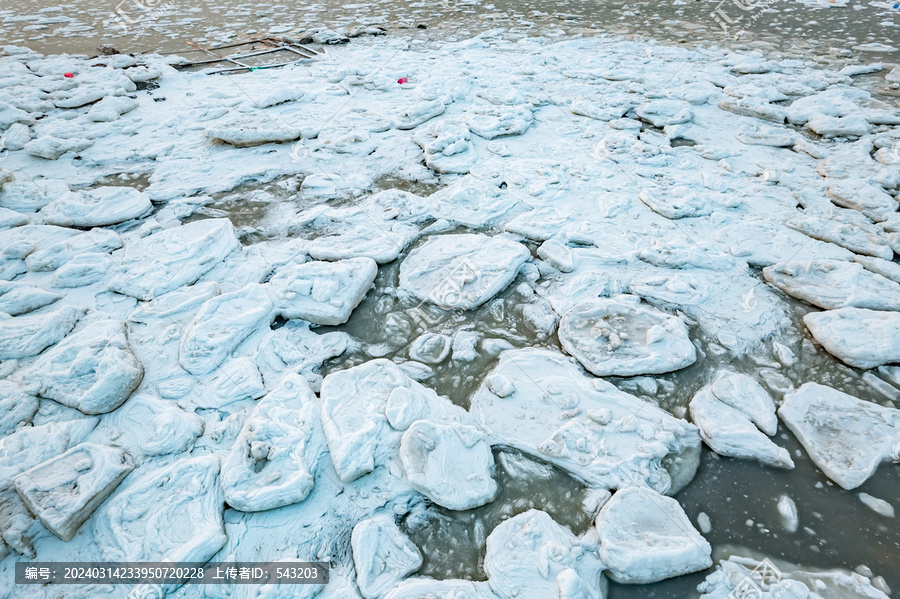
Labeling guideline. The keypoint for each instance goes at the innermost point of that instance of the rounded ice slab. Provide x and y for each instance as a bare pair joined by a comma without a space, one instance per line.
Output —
273,461
646,537
97,207
91,370
729,432
244,134
619,337
541,403
323,292
461,271
382,555
530,555
64,491
859,337
221,325
846,437
173,513
833,284
449,463
173,258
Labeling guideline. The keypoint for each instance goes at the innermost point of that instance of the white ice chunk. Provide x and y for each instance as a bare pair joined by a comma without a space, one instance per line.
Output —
492,120
619,337
98,207
861,338
787,510
744,393
417,114
847,438
51,148
173,513
451,464
24,336
322,292
64,491
149,426
738,576
879,506
447,146
646,537
20,298
584,425
273,462
864,196
89,242
382,555
295,348
365,407
461,271
16,406
250,132
860,236
530,555
220,326
660,113
729,432
833,284
173,258
91,370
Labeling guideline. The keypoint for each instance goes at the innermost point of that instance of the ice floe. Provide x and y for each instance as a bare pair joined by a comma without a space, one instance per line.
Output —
64,491
323,292
170,259
273,462
847,438
451,464
97,208
646,537
860,337
601,435
765,580
728,431
620,337
382,555
531,555
833,284
91,370
461,271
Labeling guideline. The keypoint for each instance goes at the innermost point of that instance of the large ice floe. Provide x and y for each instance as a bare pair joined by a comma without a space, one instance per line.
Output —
845,436
308,314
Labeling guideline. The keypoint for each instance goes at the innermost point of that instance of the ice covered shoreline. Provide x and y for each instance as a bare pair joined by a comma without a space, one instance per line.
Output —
659,179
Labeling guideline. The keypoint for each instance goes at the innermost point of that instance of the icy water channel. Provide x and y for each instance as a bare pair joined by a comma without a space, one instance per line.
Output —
740,497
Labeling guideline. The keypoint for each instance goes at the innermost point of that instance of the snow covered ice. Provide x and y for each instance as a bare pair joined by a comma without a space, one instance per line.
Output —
314,314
